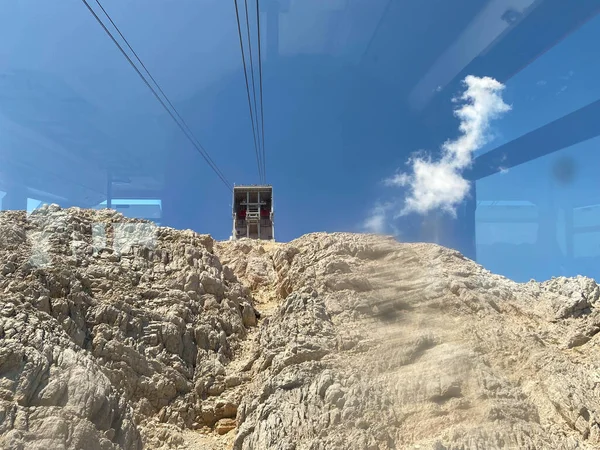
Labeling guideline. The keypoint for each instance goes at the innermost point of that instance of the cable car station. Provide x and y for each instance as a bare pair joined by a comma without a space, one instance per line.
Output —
253,212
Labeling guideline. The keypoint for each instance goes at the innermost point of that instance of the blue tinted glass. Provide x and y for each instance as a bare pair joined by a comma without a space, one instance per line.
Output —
560,81
471,125
556,231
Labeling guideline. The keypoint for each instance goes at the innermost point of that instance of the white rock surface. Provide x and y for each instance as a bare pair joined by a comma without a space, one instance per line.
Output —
117,334
100,344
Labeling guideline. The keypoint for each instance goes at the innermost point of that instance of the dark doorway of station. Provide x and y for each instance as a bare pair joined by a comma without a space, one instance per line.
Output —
253,212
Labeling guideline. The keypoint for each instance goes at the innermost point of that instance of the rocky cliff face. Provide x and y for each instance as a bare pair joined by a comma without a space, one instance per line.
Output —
118,334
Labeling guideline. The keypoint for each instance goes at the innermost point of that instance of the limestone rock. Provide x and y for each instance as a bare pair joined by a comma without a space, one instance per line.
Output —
224,426
96,349
115,333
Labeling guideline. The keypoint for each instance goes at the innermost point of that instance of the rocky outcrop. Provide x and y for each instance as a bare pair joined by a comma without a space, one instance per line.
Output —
381,345
115,333
103,335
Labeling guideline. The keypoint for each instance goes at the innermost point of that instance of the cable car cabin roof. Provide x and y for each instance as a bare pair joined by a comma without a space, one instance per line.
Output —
266,192
252,187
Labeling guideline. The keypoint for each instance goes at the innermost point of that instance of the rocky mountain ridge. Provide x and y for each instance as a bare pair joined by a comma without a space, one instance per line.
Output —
115,333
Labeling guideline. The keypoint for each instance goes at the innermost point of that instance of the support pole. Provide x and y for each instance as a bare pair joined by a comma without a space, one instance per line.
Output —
234,214
272,215
247,206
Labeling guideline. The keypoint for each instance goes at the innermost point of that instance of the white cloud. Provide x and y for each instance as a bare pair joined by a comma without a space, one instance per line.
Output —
377,220
432,185
504,170
542,83
439,184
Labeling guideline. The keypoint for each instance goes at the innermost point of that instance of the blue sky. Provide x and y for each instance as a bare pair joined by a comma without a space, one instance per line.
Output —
340,87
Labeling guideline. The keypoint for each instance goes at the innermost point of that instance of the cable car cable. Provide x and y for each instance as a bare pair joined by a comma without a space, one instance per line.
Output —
252,118
253,82
262,117
188,134
153,80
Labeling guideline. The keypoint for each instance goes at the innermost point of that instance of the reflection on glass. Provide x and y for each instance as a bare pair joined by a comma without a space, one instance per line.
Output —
134,208
542,219
560,81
